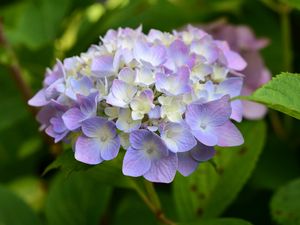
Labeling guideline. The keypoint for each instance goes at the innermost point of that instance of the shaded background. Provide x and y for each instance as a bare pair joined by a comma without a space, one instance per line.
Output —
39,31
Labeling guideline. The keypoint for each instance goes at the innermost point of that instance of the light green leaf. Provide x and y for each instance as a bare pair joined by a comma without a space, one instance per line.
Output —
207,192
282,93
221,221
37,23
13,211
77,199
285,204
31,190
292,3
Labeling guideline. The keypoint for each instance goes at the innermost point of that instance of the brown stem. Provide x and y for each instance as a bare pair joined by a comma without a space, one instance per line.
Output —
15,70
16,73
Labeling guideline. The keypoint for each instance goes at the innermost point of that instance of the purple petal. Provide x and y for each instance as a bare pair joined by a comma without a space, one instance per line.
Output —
207,136
127,75
110,149
88,105
231,86
210,114
53,75
82,86
237,110
39,99
122,56
186,163
179,52
45,114
154,112
87,150
177,137
155,55
58,124
206,48
202,152
102,66
234,60
140,138
121,93
135,163
163,170
72,118
253,111
229,135
57,136
174,84
91,127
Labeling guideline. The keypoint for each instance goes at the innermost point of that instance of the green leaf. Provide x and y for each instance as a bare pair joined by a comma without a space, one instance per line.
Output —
207,192
132,210
292,3
13,211
31,190
221,221
76,199
108,173
38,22
67,163
281,93
285,204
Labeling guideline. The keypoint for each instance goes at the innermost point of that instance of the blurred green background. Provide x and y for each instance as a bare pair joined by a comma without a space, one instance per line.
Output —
39,31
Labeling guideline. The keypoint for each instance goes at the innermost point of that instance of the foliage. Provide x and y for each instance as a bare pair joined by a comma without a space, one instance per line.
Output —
257,182
280,94
285,204
208,192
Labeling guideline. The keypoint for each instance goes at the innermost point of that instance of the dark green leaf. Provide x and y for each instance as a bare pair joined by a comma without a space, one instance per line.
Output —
285,204
207,192
13,211
131,210
75,200
281,93
108,173
67,163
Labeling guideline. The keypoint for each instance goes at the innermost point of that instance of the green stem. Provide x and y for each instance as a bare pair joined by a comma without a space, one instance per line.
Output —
144,197
287,51
286,38
152,201
152,193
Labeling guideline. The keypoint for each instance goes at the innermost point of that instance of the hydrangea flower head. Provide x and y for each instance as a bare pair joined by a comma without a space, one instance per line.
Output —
163,97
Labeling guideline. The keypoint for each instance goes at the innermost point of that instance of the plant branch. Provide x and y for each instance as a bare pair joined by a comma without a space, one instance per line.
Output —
16,74
15,70
152,193
152,201
286,38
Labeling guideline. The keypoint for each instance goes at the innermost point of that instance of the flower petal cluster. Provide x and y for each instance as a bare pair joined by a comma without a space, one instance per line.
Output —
163,97
242,40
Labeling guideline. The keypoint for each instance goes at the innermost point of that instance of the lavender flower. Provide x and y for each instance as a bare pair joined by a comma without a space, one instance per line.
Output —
242,40
165,98
148,156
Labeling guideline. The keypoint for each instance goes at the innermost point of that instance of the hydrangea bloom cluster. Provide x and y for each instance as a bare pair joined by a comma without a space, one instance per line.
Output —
164,98
242,40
